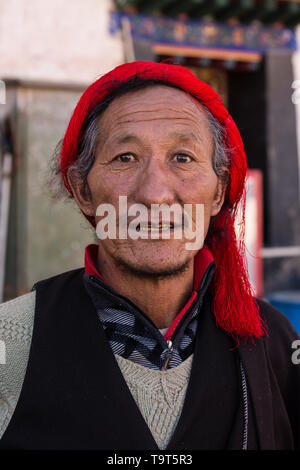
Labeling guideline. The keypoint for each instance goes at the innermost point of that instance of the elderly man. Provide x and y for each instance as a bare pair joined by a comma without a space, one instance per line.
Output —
155,343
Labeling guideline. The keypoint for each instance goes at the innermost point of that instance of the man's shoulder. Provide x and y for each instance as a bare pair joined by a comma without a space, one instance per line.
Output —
16,316
275,322
21,308
18,307
61,278
279,338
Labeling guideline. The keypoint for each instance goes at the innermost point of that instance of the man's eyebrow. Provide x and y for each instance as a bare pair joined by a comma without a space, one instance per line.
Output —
127,138
183,136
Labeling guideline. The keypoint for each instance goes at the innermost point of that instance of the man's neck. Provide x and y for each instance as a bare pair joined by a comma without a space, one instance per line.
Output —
161,299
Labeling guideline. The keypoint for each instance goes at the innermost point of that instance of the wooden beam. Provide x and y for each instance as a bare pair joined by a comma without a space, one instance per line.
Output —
149,6
260,10
235,9
284,13
176,7
206,7
202,52
266,11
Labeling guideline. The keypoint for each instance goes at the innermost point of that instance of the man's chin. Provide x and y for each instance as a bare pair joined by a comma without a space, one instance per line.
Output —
154,270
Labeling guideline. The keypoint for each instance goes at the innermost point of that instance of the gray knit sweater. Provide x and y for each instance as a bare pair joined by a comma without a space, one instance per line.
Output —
158,394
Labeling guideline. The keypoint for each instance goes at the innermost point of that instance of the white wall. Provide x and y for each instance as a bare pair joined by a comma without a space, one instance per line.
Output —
57,40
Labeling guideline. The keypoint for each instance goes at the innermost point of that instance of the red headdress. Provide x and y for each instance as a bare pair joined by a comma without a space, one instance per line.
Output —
234,306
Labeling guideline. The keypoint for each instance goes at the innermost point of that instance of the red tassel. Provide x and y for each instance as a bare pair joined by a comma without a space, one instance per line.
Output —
234,305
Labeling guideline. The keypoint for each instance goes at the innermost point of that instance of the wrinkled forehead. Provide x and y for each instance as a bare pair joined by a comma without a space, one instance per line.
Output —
157,106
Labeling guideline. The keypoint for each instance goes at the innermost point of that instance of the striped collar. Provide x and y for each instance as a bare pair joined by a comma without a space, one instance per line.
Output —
202,261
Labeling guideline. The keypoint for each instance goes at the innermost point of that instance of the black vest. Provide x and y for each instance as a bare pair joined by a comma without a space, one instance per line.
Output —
75,397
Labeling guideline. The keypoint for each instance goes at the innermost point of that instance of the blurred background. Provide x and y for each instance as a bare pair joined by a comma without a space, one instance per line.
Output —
51,50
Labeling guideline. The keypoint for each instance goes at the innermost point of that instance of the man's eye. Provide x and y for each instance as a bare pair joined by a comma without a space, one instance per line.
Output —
125,158
183,158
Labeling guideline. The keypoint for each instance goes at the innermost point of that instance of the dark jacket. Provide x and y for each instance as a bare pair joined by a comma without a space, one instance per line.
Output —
75,397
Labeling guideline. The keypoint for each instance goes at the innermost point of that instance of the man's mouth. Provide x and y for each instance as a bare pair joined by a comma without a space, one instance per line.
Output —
152,227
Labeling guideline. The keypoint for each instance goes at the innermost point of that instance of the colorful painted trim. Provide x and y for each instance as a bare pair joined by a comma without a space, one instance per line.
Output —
164,30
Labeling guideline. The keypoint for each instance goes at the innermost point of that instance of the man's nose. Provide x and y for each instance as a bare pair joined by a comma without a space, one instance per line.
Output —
154,185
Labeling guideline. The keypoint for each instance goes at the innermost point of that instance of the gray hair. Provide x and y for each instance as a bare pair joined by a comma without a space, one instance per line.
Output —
86,155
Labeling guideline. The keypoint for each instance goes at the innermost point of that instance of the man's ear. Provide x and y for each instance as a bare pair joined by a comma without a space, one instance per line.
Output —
81,192
220,192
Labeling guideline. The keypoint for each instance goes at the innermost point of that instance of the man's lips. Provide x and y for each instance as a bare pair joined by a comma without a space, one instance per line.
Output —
154,224
147,227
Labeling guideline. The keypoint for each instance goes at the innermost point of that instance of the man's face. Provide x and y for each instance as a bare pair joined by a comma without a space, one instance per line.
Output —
155,147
